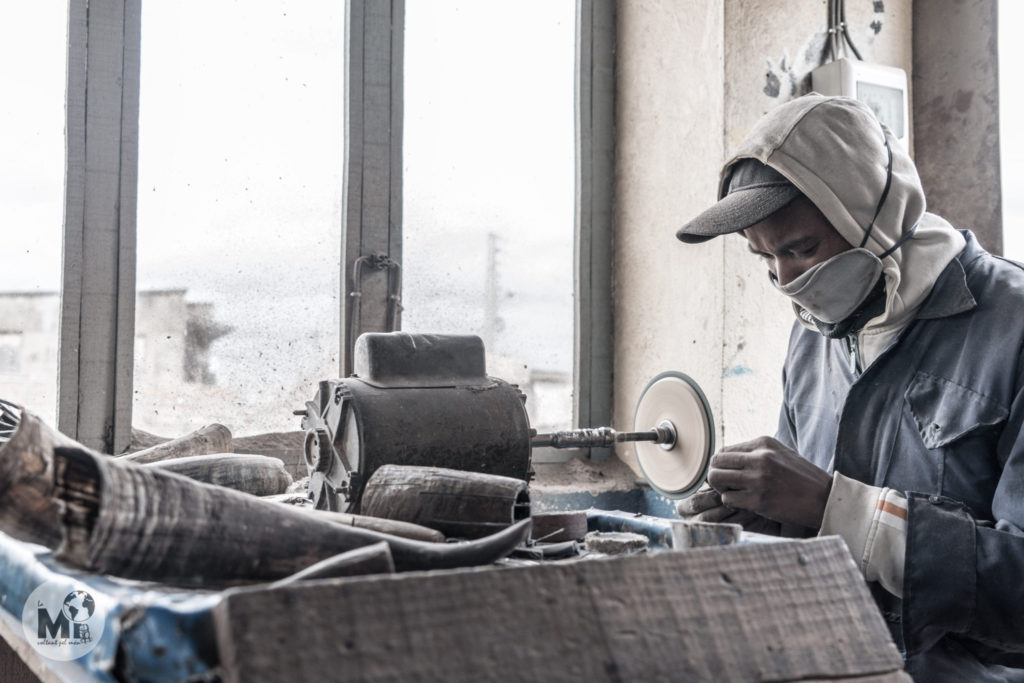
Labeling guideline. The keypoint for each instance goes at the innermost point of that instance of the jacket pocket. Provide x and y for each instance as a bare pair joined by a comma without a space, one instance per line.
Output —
945,411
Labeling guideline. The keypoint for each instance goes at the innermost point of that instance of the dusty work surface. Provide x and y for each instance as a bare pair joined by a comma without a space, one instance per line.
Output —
778,612
574,475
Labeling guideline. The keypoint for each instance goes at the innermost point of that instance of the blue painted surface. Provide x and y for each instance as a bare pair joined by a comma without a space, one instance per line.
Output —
168,637
737,371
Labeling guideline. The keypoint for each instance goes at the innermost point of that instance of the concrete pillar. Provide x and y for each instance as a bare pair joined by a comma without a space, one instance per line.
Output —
956,114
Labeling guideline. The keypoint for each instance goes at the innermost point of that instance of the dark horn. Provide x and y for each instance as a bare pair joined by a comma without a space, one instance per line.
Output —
144,523
28,511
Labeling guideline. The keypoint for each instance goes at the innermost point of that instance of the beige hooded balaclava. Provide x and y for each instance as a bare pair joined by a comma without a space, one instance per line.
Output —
832,150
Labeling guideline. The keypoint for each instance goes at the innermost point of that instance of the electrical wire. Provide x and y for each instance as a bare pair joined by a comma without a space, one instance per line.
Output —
846,33
838,35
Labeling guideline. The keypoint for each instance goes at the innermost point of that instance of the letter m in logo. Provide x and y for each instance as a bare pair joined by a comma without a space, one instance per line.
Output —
51,627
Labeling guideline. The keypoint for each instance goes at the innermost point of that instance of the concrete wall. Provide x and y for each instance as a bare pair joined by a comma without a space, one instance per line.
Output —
668,300
693,78
956,114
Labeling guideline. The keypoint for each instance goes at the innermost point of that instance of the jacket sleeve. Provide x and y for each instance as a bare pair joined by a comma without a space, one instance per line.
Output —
963,576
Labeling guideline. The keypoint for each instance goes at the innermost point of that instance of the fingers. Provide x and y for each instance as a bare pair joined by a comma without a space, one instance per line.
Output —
767,477
754,445
730,460
723,480
703,499
720,514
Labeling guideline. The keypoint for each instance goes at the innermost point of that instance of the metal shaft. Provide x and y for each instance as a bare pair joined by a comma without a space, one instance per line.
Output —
602,437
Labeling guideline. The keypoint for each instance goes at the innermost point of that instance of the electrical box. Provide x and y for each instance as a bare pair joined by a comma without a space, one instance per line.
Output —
883,88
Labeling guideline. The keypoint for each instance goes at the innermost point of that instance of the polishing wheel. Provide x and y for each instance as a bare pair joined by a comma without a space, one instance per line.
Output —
674,403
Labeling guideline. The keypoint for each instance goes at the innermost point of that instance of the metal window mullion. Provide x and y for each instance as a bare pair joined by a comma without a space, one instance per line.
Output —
372,192
595,184
101,168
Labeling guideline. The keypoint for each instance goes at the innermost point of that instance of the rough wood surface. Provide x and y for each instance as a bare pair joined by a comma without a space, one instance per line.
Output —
259,475
213,438
772,612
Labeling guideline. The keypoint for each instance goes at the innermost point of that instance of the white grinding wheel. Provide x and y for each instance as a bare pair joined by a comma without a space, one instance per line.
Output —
679,470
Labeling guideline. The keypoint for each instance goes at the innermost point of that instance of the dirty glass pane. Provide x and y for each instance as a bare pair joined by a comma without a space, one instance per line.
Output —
33,46
488,187
240,161
1011,134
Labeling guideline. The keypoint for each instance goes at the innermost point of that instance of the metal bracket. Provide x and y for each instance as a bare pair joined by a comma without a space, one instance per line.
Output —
378,261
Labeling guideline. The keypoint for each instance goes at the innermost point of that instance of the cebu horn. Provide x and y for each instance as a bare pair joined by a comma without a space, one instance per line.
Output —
259,475
144,523
213,438
29,510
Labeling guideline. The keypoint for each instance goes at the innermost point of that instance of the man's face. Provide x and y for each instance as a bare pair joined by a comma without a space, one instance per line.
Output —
793,239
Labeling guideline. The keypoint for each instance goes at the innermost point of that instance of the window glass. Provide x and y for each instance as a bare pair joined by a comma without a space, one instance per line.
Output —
488,187
1011,136
239,212
33,46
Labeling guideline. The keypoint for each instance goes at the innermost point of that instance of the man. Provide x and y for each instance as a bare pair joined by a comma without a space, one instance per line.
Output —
901,424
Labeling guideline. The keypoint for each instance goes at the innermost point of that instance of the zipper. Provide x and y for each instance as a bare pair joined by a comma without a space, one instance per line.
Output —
851,343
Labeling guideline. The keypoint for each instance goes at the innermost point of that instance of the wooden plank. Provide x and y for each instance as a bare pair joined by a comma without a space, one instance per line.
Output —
372,194
98,298
19,663
783,611
595,176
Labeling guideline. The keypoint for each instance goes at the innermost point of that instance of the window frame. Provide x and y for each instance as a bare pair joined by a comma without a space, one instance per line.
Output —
98,291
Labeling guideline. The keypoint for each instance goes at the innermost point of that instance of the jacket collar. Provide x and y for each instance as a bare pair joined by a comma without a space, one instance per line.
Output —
950,294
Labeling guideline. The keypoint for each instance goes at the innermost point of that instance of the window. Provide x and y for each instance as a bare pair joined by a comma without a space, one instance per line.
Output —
242,146
488,188
33,36
239,212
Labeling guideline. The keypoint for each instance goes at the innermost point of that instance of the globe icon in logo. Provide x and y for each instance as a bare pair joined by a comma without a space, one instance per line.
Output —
78,606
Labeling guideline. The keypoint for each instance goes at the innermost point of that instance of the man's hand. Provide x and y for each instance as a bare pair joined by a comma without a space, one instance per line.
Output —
706,506
766,477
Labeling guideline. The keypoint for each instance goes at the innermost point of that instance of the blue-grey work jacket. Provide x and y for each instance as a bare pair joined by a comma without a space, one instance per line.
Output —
938,416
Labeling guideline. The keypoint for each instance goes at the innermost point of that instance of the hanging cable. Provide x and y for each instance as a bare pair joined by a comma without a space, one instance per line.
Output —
846,33
838,35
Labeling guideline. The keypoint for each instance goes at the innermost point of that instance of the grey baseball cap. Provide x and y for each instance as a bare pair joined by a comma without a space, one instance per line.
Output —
755,192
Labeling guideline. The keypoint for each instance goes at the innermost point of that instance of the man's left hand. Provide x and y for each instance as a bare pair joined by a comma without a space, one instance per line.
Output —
771,479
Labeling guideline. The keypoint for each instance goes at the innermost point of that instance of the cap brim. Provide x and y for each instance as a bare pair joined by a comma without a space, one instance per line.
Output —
737,211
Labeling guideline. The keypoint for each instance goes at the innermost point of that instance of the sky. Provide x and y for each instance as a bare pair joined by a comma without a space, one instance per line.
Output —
240,170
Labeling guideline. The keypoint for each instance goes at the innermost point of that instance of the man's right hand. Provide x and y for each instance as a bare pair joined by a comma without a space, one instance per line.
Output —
706,506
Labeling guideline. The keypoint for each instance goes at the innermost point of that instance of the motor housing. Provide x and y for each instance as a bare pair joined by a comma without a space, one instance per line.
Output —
413,399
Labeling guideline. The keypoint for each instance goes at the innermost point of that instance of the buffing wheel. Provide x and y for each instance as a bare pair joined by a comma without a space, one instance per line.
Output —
675,469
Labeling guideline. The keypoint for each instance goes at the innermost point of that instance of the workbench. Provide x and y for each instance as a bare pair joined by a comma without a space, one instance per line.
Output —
783,610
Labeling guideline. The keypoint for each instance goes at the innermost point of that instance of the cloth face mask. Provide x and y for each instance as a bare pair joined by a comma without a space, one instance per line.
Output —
832,290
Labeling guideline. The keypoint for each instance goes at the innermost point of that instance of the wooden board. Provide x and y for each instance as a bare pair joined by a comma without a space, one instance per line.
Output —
772,612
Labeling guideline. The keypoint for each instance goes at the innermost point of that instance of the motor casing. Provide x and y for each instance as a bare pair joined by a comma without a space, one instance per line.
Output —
414,399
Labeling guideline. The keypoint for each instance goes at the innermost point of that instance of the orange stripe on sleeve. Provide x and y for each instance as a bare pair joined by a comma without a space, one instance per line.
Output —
892,509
